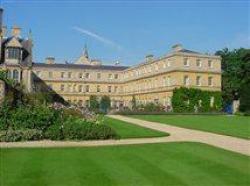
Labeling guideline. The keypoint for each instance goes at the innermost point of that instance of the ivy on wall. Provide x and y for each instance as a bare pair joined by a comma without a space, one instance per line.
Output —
196,100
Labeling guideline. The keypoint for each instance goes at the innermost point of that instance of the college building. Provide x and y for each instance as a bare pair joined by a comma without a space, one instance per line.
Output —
152,80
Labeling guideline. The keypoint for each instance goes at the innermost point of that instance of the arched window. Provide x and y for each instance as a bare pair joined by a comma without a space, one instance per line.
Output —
15,75
8,74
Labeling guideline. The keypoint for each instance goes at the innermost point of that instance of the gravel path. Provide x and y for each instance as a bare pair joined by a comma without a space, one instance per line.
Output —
177,134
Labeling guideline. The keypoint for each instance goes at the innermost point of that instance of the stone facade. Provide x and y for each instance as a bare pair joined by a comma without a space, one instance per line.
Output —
153,80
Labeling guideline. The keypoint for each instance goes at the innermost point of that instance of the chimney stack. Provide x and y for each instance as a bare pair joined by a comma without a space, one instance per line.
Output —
177,47
1,21
149,57
50,60
16,31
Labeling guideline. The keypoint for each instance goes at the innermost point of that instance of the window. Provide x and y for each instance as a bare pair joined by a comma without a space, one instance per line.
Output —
62,74
186,62
87,88
80,88
198,63
186,80
210,63
50,74
115,89
14,53
210,81
98,88
87,75
98,75
15,75
110,76
69,74
8,74
198,81
70,88
109,89
116,76
164,65
62,88
168,81
169,63
80,75
156,68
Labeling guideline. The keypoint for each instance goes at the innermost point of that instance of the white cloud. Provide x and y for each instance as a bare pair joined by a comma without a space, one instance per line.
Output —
98,37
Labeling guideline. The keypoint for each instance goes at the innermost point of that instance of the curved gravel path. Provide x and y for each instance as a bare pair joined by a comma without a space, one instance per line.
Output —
177,134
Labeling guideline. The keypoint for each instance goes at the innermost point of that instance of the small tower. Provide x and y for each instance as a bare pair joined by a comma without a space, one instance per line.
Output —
84,58
86,53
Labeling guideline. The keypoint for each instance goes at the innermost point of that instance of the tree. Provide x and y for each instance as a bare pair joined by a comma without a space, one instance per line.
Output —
105,103
235,72
245,87
93,103
133,103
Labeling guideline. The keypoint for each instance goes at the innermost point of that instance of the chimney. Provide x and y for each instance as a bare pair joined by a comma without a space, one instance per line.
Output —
149,57
50,60
16,31
1,21
177,47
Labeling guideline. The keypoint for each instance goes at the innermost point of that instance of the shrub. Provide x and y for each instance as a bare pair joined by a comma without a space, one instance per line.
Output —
54,132
21,135
35,117
75,128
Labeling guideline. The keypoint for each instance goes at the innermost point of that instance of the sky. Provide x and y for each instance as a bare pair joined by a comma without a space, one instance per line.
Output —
127,31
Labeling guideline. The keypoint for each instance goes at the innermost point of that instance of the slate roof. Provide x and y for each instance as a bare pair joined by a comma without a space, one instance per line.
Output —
76,66
189,51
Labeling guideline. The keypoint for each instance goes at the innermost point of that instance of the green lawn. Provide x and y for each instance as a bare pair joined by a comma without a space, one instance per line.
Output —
238,126
189,164
127,130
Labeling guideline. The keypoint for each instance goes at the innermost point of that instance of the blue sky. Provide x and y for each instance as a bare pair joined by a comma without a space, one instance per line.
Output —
128,30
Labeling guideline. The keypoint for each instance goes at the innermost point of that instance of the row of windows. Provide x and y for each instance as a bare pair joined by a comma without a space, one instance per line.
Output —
157,67
186,63
80,75
166,81
186,81
85,88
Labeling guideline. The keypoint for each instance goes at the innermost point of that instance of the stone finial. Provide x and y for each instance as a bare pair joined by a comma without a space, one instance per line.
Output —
16,31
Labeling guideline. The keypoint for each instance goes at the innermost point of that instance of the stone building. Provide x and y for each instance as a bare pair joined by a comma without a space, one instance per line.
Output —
152,80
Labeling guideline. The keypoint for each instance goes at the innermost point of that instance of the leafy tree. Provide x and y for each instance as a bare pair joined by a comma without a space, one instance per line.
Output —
235,73
245,87
93,103
105,103
134,103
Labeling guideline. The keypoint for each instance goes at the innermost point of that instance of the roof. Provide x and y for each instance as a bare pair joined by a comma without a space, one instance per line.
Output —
83,67
189,51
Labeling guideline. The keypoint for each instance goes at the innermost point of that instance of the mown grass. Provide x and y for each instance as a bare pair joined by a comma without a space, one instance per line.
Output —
128,130
238,126
189,164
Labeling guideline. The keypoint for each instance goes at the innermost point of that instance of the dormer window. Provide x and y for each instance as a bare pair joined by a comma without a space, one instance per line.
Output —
14,53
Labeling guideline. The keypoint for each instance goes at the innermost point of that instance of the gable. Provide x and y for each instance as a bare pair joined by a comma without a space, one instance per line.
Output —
14,43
